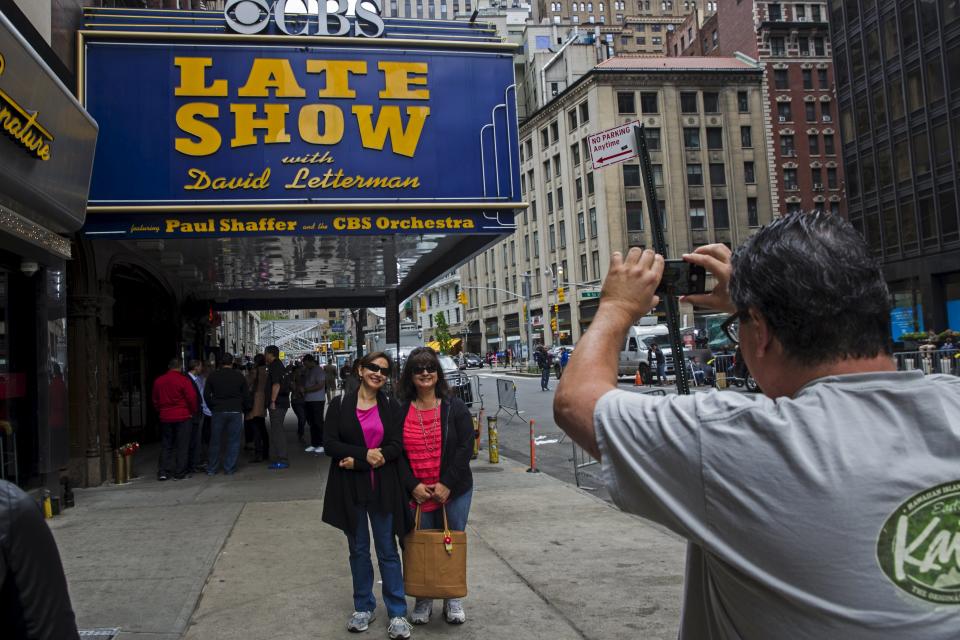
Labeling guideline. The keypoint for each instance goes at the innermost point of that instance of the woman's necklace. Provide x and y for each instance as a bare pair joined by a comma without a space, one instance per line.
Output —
436,425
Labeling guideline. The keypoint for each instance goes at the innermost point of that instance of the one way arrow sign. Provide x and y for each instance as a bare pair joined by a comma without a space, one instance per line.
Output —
613,145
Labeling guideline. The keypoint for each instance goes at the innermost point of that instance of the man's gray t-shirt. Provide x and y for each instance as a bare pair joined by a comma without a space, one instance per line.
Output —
314,376
832,514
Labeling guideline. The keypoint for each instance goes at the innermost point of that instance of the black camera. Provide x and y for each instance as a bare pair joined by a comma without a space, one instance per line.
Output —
681,278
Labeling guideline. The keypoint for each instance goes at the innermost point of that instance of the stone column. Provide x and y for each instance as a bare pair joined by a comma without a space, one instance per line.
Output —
83,330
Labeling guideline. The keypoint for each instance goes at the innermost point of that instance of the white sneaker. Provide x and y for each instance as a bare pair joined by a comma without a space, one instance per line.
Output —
360,621
422,612
453,611
318,450
309,450
399,628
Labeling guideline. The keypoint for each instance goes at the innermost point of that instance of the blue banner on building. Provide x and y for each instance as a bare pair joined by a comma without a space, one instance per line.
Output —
282,128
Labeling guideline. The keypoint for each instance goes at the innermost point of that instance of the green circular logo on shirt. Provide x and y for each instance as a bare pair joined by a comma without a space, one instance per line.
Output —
919,545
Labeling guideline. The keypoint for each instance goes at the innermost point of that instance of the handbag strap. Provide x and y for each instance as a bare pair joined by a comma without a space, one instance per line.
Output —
416,520
416,523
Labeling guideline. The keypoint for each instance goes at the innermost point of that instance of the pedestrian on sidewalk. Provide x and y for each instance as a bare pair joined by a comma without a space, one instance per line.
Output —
542,357
823,508
195,458
330,378
256,417
228,396
297,403
35,603
278,392
658,363
362,434
314,397
175,399
435,465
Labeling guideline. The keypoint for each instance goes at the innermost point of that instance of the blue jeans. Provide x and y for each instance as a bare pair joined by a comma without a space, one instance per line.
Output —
232,425
388,559
457,511
545,378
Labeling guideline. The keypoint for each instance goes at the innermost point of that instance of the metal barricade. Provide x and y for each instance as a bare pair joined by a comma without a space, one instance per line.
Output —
929,361
722,366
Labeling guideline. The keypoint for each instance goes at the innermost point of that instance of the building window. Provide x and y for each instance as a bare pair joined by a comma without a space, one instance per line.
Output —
746,137
649,102
698,215
831,178
575,154
560,198
533,210
718,175
721,214
546,171
631,175
819,48
807,78
581,228
625,102
572,119
544,137
584,275
578,188
775,12
562,229
634,215
786,146
810,111
790,179
688,102
593,222
777,46
595,260
784,112
753,216
828,144
652,136
714,138
822,79
549,203
814,144
536,244
743,102
590,184
691,137
656,40
695,175
803,46
554,131
711,102
551,239
780,79
556,165
749,174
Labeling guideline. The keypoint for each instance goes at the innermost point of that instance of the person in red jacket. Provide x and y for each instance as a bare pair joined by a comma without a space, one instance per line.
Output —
175,399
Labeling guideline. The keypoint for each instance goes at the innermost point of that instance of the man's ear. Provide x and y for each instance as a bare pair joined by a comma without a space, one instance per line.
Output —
765,343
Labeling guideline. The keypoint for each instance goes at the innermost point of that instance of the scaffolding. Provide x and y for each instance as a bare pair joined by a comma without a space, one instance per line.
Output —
294,337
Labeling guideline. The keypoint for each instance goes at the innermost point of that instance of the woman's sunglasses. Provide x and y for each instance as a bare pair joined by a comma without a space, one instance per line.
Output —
427,368
375,368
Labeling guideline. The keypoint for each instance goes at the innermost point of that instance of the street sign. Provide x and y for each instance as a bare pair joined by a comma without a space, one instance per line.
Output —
584,295
613,145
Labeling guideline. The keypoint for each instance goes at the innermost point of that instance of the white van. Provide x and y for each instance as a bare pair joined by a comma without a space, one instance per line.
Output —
633,356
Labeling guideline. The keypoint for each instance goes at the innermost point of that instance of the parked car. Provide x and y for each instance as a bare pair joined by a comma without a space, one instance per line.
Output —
473,361
458,381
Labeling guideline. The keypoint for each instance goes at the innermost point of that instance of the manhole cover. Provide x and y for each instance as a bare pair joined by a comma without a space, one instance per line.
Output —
99,634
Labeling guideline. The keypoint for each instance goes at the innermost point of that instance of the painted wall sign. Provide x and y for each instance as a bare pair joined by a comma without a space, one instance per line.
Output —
190,225
292,127
46,150
254,16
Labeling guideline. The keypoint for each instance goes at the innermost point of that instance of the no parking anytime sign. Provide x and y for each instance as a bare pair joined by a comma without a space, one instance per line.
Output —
613,145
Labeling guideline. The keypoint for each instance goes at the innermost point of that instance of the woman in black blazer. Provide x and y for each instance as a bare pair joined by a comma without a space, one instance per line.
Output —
362,435
435,466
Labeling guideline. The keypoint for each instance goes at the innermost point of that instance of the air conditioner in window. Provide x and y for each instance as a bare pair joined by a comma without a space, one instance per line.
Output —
817,186
827,118
783,118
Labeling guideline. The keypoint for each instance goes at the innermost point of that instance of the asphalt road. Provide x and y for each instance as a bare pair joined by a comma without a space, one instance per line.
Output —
554,453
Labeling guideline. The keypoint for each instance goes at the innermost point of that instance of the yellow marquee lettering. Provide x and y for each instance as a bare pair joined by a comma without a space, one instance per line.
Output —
403,141
397,80
271,73
338,76
332,124
207,137
245,124
193,80
172,225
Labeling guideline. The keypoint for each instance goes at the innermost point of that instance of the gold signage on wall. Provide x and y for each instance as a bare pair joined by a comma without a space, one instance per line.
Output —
22,127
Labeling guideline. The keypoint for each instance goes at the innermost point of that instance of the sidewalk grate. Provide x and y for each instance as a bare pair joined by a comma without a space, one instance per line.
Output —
99,634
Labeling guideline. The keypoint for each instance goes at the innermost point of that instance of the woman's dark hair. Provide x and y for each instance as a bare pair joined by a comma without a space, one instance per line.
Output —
259,360
811,276
421,357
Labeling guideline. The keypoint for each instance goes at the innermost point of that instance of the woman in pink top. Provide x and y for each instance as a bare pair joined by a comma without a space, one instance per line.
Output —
362,435
435,466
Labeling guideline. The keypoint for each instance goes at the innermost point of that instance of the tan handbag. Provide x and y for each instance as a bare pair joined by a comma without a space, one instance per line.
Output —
435,561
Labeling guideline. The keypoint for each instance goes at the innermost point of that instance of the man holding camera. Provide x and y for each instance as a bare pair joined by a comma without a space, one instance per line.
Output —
826,508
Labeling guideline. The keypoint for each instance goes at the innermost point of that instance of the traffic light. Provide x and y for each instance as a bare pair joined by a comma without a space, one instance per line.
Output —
462,298
423,305
553,324
561,295
556,310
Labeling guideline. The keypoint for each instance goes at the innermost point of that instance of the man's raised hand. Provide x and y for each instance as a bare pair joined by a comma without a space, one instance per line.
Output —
631,283
715,258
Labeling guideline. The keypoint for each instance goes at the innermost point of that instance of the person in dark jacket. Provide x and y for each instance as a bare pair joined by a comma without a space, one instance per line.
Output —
34,602
228,396
435,466
362,435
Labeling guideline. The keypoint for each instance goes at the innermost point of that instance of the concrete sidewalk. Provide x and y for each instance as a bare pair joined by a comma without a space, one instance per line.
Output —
247,557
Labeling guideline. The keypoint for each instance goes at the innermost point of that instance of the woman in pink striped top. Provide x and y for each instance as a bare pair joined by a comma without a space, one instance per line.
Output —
435,466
